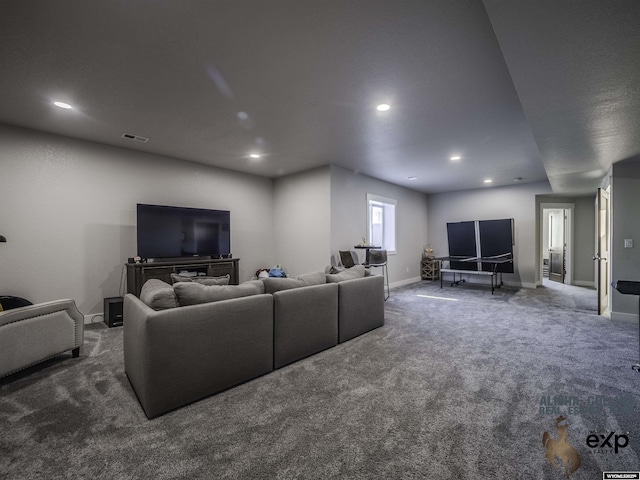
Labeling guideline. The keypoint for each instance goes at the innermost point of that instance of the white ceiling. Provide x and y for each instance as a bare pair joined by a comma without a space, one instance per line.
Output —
534,90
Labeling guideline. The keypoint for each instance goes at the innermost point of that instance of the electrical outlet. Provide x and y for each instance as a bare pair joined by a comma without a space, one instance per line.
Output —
407,269
628,243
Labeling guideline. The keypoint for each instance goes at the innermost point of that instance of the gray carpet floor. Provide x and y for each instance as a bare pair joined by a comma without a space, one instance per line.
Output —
450,388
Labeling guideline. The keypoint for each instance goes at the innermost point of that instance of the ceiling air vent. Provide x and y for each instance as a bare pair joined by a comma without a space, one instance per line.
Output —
137,138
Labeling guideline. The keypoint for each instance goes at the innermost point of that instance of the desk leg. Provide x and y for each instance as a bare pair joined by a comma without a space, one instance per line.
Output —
636,367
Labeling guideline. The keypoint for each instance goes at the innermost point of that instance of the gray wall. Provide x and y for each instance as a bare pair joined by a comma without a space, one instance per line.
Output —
302,226
68,210
625,264
349,220
517,202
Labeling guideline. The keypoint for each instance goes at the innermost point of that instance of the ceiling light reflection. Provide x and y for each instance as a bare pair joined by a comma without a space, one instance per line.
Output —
438,298
62,105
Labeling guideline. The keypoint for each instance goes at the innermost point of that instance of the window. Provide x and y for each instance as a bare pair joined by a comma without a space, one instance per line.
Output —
381,222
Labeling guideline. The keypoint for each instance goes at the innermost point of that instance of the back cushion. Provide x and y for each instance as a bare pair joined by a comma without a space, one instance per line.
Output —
348,274
272,285
191,293
158,295
224,280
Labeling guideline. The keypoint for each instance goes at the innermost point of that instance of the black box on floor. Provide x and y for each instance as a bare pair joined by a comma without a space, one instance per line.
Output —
113,312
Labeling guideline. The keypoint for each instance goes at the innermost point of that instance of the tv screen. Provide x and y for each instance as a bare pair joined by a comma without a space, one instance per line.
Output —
170,232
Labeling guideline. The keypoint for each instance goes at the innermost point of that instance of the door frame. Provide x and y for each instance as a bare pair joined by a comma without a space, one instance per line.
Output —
568,239
603,274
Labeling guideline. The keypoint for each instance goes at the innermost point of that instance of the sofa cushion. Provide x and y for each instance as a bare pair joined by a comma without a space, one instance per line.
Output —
357,271
192,293
340,269
223,280
272,285
158,295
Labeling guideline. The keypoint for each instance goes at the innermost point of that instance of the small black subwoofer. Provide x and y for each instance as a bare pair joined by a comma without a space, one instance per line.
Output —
113,312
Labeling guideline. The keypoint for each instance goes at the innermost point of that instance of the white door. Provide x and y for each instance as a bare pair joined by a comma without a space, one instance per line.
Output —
557,246
602,251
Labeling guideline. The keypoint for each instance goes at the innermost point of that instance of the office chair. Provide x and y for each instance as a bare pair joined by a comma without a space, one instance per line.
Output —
378,258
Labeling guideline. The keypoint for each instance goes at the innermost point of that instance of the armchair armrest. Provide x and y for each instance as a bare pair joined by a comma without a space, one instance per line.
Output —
34,333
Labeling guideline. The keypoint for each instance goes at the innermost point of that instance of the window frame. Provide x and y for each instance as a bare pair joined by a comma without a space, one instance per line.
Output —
385,202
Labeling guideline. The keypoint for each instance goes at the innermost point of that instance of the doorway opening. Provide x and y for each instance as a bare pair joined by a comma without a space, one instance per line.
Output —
556,242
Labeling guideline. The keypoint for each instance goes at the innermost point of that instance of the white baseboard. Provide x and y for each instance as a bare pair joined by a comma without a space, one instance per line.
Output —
93,318
582,283
624,317
521,284
402,283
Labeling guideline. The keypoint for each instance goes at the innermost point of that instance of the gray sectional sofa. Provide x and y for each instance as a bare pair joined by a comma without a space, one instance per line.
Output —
184,342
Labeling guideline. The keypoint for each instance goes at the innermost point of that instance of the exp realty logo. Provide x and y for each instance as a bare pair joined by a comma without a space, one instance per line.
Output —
607,442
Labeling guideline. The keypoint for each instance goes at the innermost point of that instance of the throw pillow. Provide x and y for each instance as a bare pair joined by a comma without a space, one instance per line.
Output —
158,295
223,280
357,271
192,293
272,285
8,302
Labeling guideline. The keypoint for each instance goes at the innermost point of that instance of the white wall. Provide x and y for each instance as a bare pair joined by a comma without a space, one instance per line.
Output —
517,202
625,262
302,221
68,210
349,220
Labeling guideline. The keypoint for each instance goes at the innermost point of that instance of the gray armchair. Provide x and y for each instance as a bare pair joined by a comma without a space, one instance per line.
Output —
32,334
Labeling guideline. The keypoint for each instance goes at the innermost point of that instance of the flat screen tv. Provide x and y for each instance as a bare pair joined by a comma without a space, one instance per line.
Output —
172,232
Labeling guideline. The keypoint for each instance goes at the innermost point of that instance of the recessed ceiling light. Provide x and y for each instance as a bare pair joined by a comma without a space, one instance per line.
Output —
383,107
254,155
412,178
62,105
487,180
455,157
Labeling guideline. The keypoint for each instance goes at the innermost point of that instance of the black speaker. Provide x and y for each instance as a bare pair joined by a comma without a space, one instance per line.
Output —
113,312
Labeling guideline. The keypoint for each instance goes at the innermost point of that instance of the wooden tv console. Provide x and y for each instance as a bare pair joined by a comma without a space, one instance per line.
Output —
138,273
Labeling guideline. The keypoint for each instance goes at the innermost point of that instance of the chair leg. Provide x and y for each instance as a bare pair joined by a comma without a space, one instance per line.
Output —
75,352
386,279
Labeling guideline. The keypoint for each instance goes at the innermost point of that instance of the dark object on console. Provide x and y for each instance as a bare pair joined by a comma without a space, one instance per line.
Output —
629,287
3,239
7,302
113,311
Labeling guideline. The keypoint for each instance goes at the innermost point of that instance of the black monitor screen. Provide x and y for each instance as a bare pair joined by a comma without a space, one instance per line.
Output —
165,232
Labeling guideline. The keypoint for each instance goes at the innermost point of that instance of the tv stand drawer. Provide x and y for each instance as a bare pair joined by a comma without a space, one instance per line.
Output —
139,273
